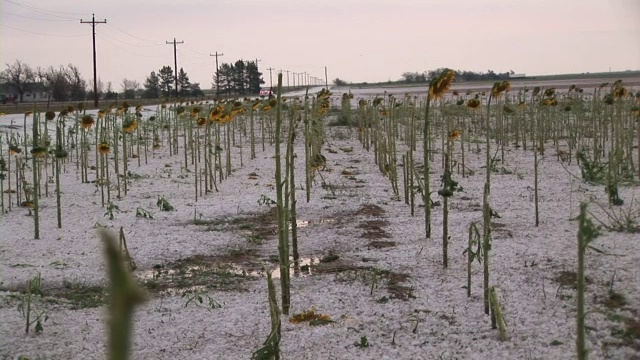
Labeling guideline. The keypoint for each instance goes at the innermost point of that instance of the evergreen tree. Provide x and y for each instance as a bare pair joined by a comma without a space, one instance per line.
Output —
183,83
152,86
254,78
166,80
195,90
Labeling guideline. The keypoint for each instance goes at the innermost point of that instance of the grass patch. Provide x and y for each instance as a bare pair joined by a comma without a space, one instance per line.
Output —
569,279
615,300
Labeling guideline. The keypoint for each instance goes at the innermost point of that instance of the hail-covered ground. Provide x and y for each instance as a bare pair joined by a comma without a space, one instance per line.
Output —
364,262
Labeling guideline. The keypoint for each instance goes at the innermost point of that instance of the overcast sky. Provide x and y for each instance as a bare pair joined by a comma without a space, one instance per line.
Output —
357,40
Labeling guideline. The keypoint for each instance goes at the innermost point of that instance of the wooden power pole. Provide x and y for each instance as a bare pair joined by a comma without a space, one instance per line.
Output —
217,74
175,60
93,23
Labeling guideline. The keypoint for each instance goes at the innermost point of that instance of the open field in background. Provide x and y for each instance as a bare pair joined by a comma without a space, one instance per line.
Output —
562,82
196,204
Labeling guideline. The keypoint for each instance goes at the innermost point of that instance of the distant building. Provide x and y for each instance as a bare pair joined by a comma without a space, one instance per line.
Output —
8,93
517,76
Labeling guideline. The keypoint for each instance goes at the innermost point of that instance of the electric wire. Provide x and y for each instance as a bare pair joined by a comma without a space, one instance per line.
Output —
42,34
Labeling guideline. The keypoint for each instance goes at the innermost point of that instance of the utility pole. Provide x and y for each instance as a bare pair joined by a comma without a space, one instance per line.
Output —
270,79
326,80
287,71
217,75
93,23
175,60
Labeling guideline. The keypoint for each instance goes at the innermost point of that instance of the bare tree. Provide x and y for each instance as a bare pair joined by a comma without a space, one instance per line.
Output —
20,76
129,87
77,85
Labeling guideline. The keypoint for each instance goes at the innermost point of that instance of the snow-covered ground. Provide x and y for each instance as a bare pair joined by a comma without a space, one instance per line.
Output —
387,285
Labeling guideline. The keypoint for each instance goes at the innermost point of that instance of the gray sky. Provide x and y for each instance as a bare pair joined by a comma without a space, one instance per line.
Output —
357,40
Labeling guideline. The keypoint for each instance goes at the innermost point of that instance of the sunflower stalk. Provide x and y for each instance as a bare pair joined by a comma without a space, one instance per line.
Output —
283,231
125,296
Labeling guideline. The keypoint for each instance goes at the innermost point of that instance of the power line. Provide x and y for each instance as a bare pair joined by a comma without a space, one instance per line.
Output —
127,43
43,11
155,42
32,18
125,50
195,51
37,33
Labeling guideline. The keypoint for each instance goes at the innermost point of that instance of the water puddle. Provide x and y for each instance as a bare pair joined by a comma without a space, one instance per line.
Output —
301,268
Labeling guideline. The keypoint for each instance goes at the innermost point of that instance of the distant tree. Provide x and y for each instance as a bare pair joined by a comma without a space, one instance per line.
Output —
339,82
129,88
77,85
19,76
166,80
184,85
90,87
152,86
225,79
195,90
239,78
253,78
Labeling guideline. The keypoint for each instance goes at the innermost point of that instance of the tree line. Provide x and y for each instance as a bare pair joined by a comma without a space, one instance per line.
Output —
65,83
461,75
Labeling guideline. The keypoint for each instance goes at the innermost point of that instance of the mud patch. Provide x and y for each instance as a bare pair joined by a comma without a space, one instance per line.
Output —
199,273
370,210
375,233
394,283
381,244
258,226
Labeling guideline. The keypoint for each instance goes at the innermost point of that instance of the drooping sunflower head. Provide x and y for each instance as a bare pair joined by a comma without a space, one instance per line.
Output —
550,92
454,135
202,122
101,113
39,152
14,149
50,115
473,103
60,153
81,106
499,87
439,85
620,92
87,122
104,148
129,126
609,99
28,113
